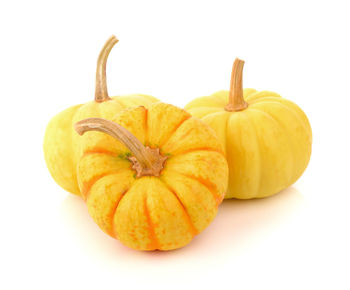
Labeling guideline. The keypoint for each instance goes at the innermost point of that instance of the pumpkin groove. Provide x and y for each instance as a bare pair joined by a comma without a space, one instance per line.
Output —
193,230
113,233
172,132
154,244
86,187
99,151
211,188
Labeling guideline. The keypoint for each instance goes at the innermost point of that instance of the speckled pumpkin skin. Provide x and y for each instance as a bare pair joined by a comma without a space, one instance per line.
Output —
268,144
62,143
149,212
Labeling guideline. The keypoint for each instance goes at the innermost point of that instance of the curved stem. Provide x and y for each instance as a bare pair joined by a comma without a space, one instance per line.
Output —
101,93
236,100
147,161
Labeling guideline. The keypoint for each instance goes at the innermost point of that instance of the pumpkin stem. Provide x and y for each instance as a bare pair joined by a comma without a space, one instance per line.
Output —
236,100
146,160
101,93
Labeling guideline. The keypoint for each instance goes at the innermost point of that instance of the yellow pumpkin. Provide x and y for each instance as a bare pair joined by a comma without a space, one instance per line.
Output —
267,139
155,180
61,143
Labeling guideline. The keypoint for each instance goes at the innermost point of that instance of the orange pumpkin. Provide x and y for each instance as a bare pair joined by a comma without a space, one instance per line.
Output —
155,180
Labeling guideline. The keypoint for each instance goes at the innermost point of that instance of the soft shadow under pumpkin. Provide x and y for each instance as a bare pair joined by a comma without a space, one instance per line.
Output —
239,223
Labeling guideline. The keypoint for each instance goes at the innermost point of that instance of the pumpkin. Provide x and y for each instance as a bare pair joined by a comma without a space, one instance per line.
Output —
266,138
153,178
61,143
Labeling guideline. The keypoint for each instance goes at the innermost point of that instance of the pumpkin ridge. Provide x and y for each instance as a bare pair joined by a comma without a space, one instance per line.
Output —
219,102
210,186
223,114
98,114
154,243
116,99
193,229
259,100
202,149
174,130
259,153
294,112
217,110
113,231
286,135
85,191
72,132
254,95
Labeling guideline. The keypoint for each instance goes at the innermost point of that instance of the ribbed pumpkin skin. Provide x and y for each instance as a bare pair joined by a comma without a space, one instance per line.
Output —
62,143
268,145
149,212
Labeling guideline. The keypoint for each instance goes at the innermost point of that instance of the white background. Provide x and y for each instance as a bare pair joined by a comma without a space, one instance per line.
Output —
176,51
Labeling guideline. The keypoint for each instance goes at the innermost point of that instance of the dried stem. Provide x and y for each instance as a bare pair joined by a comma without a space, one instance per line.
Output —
236,100
146,160
101,93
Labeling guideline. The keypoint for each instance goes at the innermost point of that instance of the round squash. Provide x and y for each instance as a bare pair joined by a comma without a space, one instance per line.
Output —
153,178
61,143
267,139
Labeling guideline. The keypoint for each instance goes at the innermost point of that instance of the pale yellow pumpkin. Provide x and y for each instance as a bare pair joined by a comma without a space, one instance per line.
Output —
267,139
62,144
158,186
